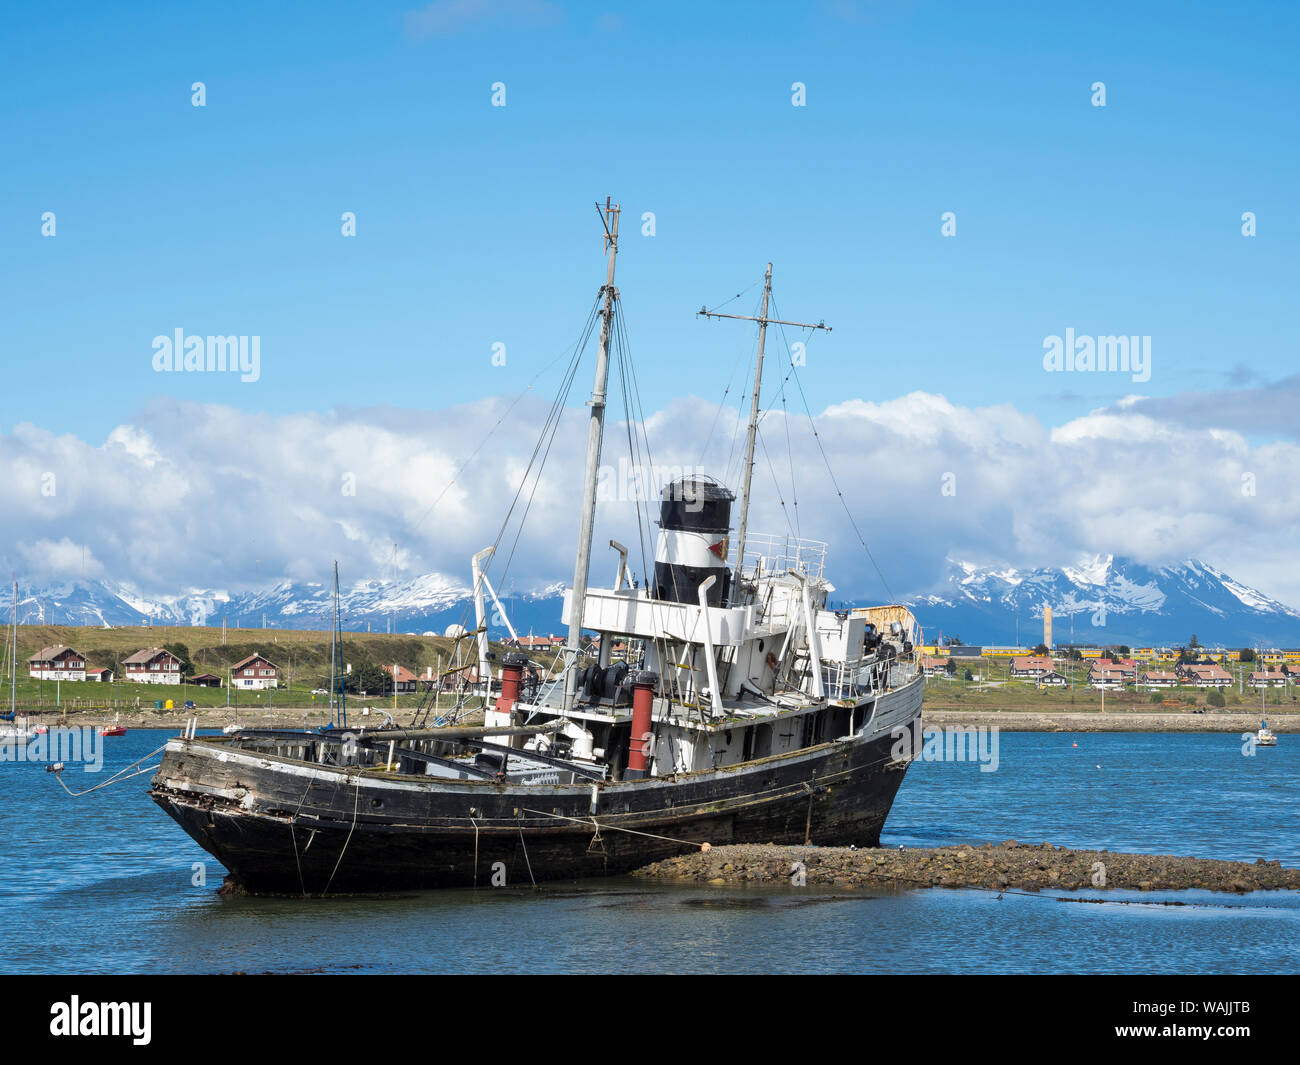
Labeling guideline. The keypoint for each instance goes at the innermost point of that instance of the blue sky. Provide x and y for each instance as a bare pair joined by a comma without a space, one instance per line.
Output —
475,223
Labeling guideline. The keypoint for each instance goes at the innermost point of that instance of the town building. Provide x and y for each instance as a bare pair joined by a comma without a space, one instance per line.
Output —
934,666
1203,675
1106,679
153,665
59,662
255,672
1125,666
1028,667
404,681
1268,678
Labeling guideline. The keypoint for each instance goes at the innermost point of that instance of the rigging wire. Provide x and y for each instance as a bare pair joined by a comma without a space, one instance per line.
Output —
736,296
541,450
794,372
515,402
638,439
722,403
777,484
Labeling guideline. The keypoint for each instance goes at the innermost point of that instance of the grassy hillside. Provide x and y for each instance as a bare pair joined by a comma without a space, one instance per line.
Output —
303,657
992,690
303,652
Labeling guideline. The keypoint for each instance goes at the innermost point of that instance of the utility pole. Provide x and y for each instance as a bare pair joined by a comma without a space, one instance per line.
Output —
595,437
763,320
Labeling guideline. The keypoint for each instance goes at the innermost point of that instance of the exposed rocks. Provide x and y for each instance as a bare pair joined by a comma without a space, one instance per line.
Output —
1010,865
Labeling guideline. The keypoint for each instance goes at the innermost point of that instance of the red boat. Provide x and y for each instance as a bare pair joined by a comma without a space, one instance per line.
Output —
113,730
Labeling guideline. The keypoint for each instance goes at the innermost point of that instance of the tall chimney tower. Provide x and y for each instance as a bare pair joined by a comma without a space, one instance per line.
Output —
1047,625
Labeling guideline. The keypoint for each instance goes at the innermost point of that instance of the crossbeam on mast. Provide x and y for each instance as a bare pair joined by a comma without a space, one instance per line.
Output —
763,321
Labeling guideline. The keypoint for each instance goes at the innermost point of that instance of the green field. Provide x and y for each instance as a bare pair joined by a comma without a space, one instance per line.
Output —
992,690
302,656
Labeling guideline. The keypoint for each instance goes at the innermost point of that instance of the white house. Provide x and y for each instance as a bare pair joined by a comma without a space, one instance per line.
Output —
57,663
1105,679
1205,675
153,665
255,672
934,666
1030,667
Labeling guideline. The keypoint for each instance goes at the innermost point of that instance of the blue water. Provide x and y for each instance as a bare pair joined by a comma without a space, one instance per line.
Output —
104,884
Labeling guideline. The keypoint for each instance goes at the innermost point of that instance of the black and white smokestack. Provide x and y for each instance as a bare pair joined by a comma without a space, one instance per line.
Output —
694,520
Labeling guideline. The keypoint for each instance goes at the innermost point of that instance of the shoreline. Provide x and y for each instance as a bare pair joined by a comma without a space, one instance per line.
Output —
1110,721
1003,720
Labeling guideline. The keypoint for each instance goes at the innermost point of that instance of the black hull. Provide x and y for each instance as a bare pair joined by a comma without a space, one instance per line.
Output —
294,828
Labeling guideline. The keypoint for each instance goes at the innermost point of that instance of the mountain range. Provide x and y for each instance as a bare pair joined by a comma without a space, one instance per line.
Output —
428,603
1106,599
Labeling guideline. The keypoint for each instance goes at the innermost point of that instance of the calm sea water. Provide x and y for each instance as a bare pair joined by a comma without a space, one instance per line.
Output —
103,884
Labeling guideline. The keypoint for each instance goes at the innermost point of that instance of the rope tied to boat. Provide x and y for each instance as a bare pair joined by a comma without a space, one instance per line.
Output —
598,825
116,778
523,844
356,804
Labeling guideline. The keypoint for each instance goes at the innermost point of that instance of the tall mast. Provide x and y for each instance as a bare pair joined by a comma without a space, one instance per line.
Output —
595,436
336,664
13,664
752,436
338,627
334,673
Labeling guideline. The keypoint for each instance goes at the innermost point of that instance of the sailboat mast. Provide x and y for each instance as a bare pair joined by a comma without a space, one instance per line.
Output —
13,662
338,632
743,524
334,630
595,437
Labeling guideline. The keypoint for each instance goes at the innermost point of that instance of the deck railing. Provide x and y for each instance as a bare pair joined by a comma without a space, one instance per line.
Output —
767,554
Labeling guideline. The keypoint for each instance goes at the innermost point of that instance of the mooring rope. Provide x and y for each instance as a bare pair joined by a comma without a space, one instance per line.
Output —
527,861
599,825
293,819
116,778
475,823
356,803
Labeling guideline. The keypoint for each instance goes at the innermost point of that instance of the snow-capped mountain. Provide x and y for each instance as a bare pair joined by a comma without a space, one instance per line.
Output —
1108,600
427,603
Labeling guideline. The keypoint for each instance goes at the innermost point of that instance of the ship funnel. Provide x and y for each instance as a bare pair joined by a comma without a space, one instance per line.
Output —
694,520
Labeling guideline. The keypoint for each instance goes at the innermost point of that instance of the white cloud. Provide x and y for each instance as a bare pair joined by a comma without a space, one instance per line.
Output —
192,496
60,559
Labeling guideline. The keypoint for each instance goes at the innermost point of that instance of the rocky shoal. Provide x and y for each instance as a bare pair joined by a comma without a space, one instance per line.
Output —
1010,865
